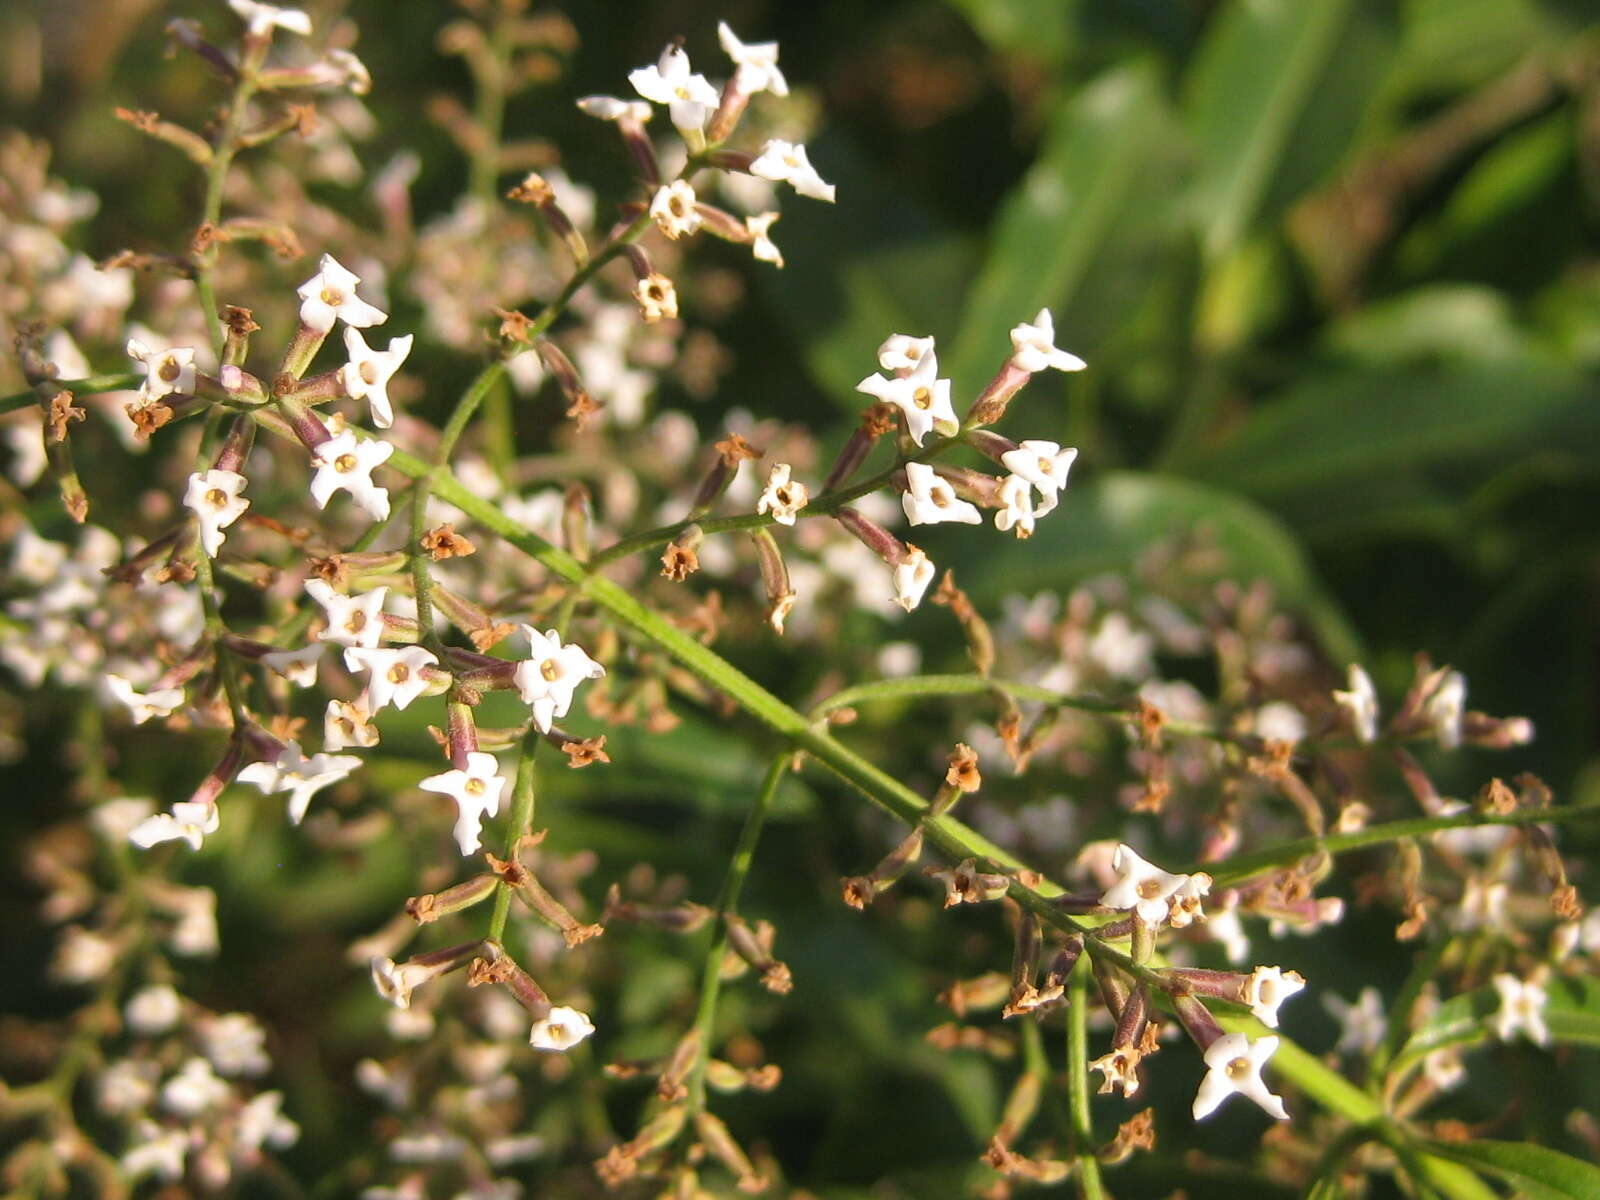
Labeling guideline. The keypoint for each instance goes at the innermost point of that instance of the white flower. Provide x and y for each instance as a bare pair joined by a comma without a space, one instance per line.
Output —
761,243
923,398
912,575
1184,908
786,162
301,777
1362,1025
1016,506
160,1152
393,676
214,496
1361,704
126,1086
195,934
82,957
929,499
396,981
560,1029
1141,886
476,791
352,620
261,18
154,1009
262,1123
346,462
165,371
757,63
330,295
1444,708
366,376
609,108
1483,905
118,817
1033,347
902,352
547,680
673,209
1521,1009
348,723
189,821
34,559
193,1089
1268,988
783,497
657,297
1043,464
1235,1064
236,1044
1444,1069
1279,721
688,97
161,702
299,667
1119,649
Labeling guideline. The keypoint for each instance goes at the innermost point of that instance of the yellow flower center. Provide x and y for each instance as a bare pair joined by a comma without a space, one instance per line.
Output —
332,297
399,673
922,398
1150,889
169,370
216,497
475,787
550,669
345,463
357,621
1238,1068
368,372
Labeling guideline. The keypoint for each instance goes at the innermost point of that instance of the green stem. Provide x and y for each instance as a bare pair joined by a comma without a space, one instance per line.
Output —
217,176
91,386
1089,1183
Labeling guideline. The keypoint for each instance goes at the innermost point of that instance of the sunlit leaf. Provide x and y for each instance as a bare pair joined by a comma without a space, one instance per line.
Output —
1536,1172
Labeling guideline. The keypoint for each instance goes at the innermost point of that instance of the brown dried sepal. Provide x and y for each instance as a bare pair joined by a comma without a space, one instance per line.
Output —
444,542
963,773
878,419
735,449
487,637
583,409
241,322
514,326
62,412
1138,1132
331,569
679,562
421,909
585,752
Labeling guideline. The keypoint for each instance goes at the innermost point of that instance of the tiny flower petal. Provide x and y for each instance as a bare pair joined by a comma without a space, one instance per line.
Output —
560,1029
330,295
1235,1065
215,498
366,376
783,497
1034,349
787,162
929,499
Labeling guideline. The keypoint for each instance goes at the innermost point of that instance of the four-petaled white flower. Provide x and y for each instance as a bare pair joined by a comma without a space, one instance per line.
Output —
1043,464
912,575
299,667
787,162
922,397
141,706
1267,988
194,1089
1141,886
761,244
262,18
346,462
902,351
301,777
189,821
609,108
1445,707
348,723
1033,347
689,98
366,376
1016,509
560,1029
215,498
393,676
1360,703
396,981
929,499
1362,1025
476,791
673,209
1521,1009
158,1152
783,497
165,371
352,620
330,295
547,680
1235,1064
757,63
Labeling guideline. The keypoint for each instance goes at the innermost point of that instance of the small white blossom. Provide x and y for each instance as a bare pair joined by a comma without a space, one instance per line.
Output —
761,244
366,376
783,497
117,818
929,499
689,98
126,1086
141,706
547,680
560,1029
346,463
166,371
476,790
1139,885
1445,707
262,1123
189,821
757,63
1362,1025
609,108
1521,1010
352,620
673,209
330,295
1360,703
1119,649
34,559
657,297
1033,347
1444,1069
158,1152
1184,908
1268,988
215,498
902,352
348,723
301,777
299,667
787,162
921,397
82,957
1483,905
393,676
396,981
1016,509
912,575
236,1044
1235,1064
1279,721
194,1089
263,18
1043,464
195,934
153,1009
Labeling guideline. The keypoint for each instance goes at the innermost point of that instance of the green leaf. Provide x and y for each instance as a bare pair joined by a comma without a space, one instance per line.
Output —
1084,232
1038,29
1114,520
1572,1013
1536,1172
1276,94
1444,321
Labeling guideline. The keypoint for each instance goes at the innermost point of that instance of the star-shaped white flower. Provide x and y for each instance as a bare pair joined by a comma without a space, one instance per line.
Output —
299,667
1141,886
165,371
657,297
689,98
757,63
783,497
547,680
346,463
476,791
396,981
347,723
1033,347
560,1029
189,821
330,295
1360,703
366,376
393,676
1016,509
673,209
263,18
761,244
1362,1025
1043,464
912,575
141,706
1269,987
352,620
902,351
215,498
930,500
301,777
1521,1010
1235,1064
922,397
787,162
194,1089
1184,907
